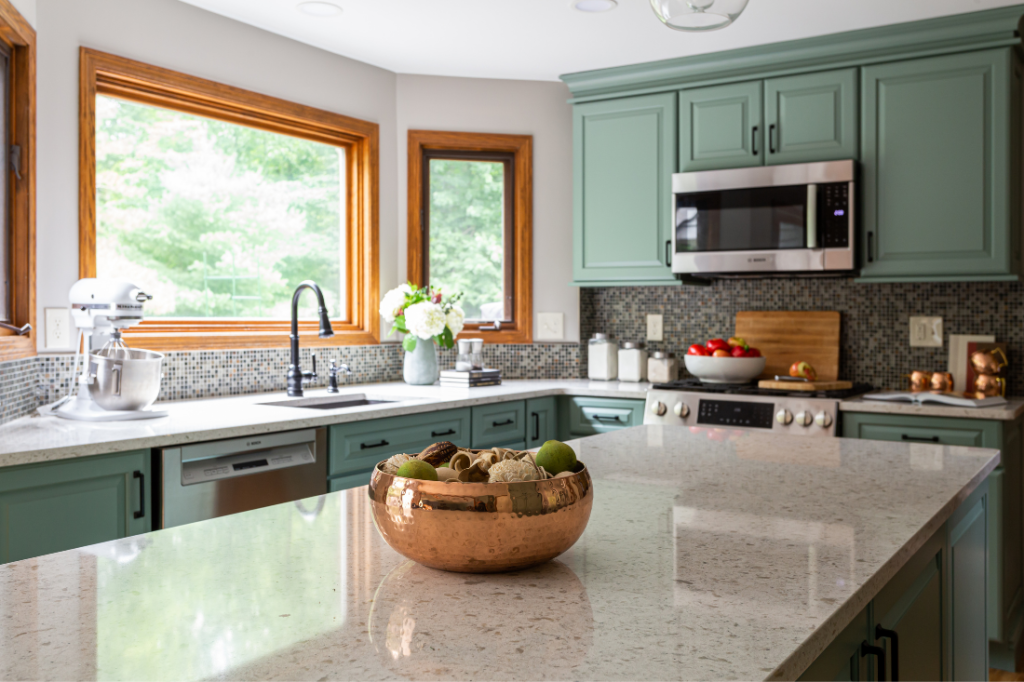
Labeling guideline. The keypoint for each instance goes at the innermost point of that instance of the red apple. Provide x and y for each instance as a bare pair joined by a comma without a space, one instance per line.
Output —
697,349
803,369
738,352
721,353
717,344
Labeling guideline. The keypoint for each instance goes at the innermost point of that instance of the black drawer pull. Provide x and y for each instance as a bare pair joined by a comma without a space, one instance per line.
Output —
753,141
920,439
142,494
871,247
504,423
606,418
868,650
771,139
536,426
435,434
367,446
894,659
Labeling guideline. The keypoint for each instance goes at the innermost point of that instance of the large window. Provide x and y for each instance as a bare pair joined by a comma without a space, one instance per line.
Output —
17,185
470,226
219,202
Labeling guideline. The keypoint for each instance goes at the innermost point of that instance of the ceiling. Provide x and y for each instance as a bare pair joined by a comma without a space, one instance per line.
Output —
541,39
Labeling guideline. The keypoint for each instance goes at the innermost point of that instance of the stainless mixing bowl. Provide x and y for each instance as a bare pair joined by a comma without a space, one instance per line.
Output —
121,383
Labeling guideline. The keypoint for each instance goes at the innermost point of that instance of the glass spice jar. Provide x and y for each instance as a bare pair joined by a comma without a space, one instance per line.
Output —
602,358
632,361
662,367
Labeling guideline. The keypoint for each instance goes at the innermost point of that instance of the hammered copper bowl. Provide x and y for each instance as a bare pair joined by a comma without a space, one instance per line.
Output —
481,527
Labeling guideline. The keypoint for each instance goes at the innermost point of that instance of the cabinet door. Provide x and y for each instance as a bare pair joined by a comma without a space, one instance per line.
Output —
541,421
811,117
52,507
589,416
842,659
936,172
968,554
910,605
500,425
624,154
720,127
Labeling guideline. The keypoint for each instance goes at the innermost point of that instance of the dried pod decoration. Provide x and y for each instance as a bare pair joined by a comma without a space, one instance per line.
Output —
511,470
461,460
438,453
495,465
392,463
474,474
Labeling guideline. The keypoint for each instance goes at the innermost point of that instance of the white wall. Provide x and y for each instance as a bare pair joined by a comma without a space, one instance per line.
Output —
178,36
27,9
536,108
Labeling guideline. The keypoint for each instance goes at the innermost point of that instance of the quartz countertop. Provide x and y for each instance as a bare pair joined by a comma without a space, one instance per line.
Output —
1008,412
45,438
710,554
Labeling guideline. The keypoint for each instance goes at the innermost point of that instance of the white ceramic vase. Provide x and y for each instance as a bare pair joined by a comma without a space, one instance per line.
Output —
420,366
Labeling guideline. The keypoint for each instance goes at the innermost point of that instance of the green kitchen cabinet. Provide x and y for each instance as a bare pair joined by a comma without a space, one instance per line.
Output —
541,421
940,178
624,154
1005,513
55,506
811,117
842,659
580,416
967,558
721,127
500,424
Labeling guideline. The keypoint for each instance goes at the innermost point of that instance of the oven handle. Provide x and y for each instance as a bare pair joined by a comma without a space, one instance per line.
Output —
812,216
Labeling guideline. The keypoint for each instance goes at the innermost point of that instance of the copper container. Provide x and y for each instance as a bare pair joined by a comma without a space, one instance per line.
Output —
942,382
989,361
920,381
480,527
988,386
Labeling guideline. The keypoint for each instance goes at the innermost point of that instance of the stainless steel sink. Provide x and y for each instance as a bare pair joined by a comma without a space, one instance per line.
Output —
330,402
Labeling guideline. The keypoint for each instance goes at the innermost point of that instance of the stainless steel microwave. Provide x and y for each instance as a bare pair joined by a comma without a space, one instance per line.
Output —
796,218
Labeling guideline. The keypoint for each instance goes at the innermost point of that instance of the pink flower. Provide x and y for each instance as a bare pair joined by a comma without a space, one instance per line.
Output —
399,312
436,298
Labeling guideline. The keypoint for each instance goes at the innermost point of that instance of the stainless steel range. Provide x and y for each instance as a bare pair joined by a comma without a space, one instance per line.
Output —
689,402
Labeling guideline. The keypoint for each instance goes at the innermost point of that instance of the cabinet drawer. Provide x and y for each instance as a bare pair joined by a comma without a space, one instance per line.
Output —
542,421
498,424
901,428
359,446
589,416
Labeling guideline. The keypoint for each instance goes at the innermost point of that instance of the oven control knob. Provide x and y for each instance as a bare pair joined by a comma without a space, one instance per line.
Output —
658,408
784,417
682,410
823,419
804,418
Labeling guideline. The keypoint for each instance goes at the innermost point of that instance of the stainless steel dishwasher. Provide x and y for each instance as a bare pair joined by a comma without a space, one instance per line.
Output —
206,480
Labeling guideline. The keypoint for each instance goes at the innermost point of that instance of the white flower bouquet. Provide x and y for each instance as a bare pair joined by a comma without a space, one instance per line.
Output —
423,314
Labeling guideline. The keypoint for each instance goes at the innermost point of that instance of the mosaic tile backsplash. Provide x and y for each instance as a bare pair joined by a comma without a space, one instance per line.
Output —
875,336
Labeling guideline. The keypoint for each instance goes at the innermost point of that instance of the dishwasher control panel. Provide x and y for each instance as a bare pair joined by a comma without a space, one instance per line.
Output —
230,466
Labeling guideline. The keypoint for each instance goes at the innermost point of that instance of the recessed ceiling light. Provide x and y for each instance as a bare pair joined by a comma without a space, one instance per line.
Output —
594,5
323,9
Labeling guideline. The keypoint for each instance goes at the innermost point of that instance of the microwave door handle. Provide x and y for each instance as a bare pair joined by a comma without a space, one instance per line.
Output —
812,216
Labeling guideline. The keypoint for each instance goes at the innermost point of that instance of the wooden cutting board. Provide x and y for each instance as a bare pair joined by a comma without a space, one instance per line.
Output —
805,385
785,337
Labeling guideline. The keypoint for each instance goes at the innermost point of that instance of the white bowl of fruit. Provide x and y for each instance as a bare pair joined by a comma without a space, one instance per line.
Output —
724,362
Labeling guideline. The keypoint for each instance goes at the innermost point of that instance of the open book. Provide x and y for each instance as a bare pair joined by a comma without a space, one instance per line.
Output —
954,399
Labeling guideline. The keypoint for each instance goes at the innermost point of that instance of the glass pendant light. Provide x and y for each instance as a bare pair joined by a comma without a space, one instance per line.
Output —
698,15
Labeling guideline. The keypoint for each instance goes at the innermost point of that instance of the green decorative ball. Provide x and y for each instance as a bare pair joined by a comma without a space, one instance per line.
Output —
417,468
556,457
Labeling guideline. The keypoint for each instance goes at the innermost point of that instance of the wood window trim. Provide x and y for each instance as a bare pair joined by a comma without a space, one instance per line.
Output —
20,38
107,74
521,147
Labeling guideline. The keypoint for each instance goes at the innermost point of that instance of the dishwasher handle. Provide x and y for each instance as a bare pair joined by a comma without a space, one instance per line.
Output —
234,465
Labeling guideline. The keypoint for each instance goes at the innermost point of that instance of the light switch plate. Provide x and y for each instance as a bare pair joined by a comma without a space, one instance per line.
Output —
550,327
58,332
926,332
655,328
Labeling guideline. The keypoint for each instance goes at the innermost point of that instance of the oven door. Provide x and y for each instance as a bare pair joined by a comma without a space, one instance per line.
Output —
773,219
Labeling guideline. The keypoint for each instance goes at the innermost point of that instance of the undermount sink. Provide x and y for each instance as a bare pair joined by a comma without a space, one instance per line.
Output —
330,402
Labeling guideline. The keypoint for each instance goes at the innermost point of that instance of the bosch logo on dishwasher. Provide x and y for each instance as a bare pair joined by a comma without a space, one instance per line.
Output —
250,443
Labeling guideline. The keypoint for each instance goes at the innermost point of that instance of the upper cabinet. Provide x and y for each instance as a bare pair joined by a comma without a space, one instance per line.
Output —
795,119
940,164
623,160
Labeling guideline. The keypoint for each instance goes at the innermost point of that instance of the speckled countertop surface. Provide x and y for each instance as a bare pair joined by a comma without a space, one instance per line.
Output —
45,438
1013,408
710,554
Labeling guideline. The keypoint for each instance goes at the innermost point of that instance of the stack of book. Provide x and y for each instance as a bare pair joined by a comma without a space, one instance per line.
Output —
476,377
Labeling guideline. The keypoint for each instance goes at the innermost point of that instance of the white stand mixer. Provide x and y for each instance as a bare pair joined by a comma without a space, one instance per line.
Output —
101,308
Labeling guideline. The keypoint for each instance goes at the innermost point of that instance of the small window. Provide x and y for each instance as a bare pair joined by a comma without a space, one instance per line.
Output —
469,227
219,201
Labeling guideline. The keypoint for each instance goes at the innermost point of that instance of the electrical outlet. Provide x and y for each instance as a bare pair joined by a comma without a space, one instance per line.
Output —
926,332
655,328
57,328
550,327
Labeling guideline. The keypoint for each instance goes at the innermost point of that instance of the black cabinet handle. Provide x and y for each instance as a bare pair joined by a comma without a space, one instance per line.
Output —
894,659
606,418
753,141
536,426
504,423
435,434
771,139
668,253
920,439
142,494
869,650
367,446
871,247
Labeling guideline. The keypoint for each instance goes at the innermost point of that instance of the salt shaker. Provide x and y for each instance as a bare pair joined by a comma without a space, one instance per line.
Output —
603,358
464,360
477,354
662,367
632,361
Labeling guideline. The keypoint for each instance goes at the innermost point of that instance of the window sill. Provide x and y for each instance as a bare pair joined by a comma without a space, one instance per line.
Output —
520,336
17,347
195,341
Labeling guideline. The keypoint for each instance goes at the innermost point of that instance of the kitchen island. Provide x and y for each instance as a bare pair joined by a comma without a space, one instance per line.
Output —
710,554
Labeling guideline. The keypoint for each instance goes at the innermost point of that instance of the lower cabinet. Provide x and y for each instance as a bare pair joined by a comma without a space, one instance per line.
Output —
1005,520
580,417
928,621
499,424
55,506
541,421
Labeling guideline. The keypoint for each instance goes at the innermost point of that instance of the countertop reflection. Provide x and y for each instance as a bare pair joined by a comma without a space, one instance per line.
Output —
710,554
